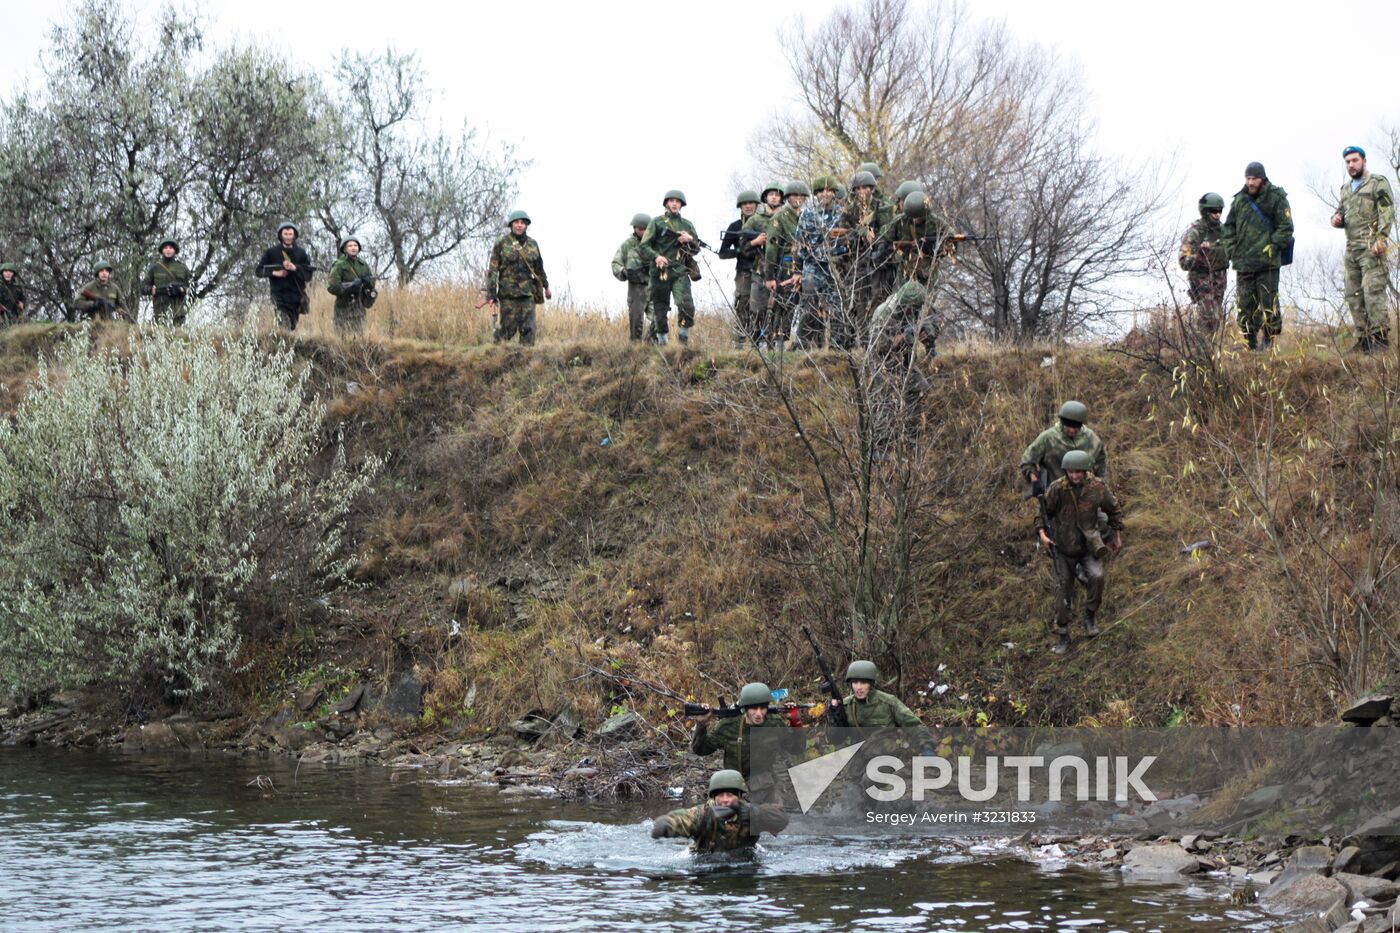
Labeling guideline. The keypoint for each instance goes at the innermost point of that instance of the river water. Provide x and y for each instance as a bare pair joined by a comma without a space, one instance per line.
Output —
110,842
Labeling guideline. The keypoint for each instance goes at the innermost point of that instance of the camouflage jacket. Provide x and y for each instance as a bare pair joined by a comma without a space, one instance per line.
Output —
342,272
733,737
1368,212
756,223
735,830
1247,239
162,274
918,257
93,293
516,269
659,240
814,226
865,221
780,254
1203,261
11,296
627,262
1050,446
1075,509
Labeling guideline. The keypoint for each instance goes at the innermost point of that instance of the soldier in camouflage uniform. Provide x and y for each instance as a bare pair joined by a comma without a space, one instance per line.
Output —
754,245
1257,234
745,315
1040,464
876,715
351,281
782,264
917,238
734,737
727,823
901,323
1367,211
1072,506
516,281
668,247
1206,263
167,281
100,299
865,215
628,266
819,300
12,305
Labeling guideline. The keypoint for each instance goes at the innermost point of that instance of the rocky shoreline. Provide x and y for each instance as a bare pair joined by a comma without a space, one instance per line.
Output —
1323,884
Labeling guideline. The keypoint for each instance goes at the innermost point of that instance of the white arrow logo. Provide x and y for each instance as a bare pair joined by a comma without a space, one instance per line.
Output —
811,778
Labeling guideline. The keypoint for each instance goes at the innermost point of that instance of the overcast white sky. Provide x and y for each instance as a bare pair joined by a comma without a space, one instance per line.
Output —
616,102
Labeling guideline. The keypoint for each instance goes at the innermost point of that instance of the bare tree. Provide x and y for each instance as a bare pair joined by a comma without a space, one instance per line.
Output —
424,195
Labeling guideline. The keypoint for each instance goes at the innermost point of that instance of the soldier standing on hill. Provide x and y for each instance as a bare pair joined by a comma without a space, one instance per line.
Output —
1367,212
516,281
668,247
167,281
287,269
100,299
1258,237
866,214
1072,507
819,300
1205,262
745,329
628,266
351,281
782,264
755,246
11,295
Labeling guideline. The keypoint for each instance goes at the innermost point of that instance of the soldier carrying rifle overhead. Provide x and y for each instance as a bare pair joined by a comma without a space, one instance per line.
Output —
734,735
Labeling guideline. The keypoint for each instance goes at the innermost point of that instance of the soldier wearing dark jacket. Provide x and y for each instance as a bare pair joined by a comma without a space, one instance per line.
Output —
351,281
100,299
287,269
167,281
12,305
516,281
1072,506
727,823
1257,232
744,320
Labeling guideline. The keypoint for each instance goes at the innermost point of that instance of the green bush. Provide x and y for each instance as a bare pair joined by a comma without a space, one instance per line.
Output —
159,505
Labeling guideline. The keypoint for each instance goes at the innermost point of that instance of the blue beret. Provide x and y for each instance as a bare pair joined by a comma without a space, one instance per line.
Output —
1356,149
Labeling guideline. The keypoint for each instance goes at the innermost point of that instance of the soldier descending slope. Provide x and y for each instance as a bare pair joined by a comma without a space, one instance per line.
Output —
1040,464
727,823
516,281
1205,262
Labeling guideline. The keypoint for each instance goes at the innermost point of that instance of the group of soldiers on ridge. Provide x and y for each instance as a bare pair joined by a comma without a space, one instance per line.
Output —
1256,239
1078,523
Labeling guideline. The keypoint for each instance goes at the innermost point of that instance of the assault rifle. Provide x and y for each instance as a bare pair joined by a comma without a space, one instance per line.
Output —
935,241
836,712
277,267
699,710
107,309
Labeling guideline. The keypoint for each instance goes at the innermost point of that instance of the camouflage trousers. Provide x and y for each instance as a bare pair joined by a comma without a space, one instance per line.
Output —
1256,294
745,320
676,285
815,305
168,311
349,317
517,316
777,320
1207,292
638,309
1367,290
1066,579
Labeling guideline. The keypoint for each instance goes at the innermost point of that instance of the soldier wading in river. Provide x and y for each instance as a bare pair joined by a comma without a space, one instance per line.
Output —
727,823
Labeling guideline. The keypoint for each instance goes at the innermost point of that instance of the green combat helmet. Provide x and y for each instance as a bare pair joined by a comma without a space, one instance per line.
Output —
1210,201
676,193
872,168
915,204
841,192
1076,460
905,187
729,780
798,187
351,239
1074,411
823,183
773,186
169,242
521,215
746,197
754,695
9,267
641,220
102,265
862,179
862,670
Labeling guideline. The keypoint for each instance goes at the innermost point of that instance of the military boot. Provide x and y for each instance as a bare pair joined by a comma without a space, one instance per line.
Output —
684,334
1090,628
1061,643
661,340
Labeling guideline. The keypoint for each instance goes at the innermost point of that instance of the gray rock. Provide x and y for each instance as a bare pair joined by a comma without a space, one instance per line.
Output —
1160,862
384,734
310,696
1376,924
1345,859
1311,858
621,726
294,738
405,697
156,736
1304,892
532,725
1368,888
352,700
1367,709
459,589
